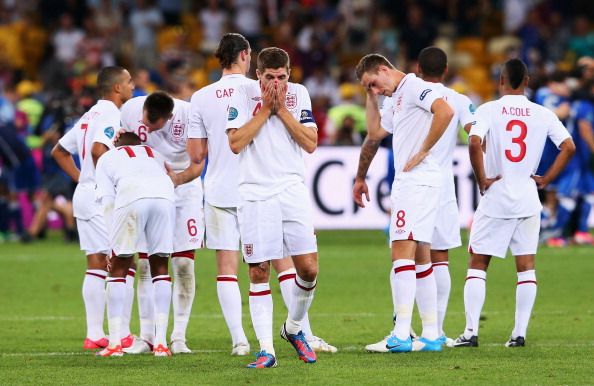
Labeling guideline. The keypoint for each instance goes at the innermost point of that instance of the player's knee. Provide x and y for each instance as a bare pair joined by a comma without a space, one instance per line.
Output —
182,266
260,272
308,273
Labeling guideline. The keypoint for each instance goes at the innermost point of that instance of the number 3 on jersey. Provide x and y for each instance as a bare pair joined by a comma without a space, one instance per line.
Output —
518,140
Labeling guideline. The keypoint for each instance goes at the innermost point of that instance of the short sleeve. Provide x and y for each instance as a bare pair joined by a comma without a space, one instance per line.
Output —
68,140
105,131
387,115
105,183
306,117
196,128
424,94
238,113
481,126
465,109
557,132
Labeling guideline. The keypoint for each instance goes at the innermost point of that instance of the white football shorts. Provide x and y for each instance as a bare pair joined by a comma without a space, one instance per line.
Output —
492,236
222,228
148,220
446,233
92,234
414,209
277,227
188,233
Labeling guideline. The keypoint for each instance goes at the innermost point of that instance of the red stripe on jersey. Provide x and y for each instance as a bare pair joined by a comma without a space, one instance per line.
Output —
286,277
527,282
165,278
131,272
188,254
261,293
425,273
96,274
304,288
226,278
475,277
142,255
128,150
404,268
149,151
440,264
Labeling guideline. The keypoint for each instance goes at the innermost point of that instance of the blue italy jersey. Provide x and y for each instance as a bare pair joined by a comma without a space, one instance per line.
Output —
584,111
545,97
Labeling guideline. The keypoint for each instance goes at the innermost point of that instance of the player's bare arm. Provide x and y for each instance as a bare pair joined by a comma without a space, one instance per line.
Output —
442,115
197,149
305,136
66,162
567,150
372,113
97,151
368,150
188,174
475,149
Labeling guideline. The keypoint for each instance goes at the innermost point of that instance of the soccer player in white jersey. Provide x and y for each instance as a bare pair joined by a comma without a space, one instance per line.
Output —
270,123
115,87
508,215
161,122
417,116
137,197
432,67
206,135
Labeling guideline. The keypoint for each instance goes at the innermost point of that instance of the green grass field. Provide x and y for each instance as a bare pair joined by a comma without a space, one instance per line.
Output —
42,324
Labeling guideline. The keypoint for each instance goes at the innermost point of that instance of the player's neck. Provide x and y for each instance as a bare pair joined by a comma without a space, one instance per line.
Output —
432,79
234,69
511,91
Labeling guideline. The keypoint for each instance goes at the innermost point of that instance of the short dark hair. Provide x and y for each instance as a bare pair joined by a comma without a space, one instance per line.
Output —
515,71
433,61
273,57
128,139
370,63
108,77
229,47
158,105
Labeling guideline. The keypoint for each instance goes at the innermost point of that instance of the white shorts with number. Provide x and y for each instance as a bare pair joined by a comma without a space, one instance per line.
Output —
189,217
414,208
143,225
277,227
93,235
446,233
222,228
492,236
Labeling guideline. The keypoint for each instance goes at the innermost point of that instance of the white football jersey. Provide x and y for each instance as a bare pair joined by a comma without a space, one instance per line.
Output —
98,124
208,119
130,173
516,130
407,116
443,150
273,160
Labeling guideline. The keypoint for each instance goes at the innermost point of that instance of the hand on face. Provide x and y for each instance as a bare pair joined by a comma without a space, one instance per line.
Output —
269,96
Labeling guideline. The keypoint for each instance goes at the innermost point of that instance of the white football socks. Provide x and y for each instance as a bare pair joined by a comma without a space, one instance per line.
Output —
146,302
525,296
116,293
443,282
426,297
403,294
93,292
162,291
474,298
230,301
301,299
184,289
261,312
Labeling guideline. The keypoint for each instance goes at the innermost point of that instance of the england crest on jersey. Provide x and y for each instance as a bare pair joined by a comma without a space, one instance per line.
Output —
291,101
177,130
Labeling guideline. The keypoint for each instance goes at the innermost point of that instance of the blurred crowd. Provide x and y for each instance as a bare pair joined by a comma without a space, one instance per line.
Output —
51,50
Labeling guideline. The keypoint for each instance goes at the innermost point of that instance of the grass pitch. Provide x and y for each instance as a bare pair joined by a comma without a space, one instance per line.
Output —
42,324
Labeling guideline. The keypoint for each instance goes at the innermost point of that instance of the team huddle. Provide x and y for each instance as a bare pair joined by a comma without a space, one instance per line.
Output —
139,191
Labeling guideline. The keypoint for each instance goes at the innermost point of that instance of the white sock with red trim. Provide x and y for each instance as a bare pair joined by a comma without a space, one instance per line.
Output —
301,299
184,289
474,298
128,302
443,282
286,281
146,302
261,312
93,292
230,301
403,295
525,296
116,294
162,291
426,297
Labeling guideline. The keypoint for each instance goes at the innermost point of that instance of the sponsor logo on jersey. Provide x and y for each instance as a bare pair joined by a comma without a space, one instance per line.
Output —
424,93
399,103
257,98
177,130
233,113
471,108
291,101
248,249
306,117
400,231
109,132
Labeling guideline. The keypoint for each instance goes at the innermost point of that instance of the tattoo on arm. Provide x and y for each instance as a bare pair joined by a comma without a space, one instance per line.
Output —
368,151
